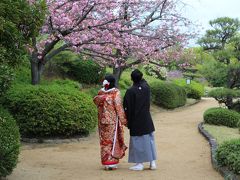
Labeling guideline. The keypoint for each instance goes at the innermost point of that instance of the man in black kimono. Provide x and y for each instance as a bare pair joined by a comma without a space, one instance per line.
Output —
137,108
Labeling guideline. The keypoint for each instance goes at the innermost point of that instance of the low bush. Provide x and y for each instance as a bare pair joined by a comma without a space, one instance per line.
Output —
221,116
228,154
86,71
57,109
168,95
9,143
194,90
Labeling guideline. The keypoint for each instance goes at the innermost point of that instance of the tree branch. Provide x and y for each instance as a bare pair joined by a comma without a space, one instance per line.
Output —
55,52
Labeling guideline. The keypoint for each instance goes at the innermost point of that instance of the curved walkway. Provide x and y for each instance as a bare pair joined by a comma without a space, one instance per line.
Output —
183,154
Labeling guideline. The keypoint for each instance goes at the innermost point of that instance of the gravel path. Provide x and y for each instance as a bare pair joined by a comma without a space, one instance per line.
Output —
183,154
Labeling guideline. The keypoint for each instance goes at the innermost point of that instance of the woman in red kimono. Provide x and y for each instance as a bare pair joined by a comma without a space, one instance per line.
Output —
111,118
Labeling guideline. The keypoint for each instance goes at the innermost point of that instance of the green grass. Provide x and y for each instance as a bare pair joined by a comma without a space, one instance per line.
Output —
222,133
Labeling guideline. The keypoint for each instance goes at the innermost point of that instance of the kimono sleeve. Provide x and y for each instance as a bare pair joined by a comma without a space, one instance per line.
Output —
98,100
119,108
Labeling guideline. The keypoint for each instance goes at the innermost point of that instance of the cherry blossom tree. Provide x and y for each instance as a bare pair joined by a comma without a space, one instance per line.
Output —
119,33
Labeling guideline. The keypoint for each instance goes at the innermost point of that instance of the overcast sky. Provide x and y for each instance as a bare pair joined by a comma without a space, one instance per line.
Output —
202,11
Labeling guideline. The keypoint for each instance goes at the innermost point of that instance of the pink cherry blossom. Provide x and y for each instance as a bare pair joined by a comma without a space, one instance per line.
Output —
112,31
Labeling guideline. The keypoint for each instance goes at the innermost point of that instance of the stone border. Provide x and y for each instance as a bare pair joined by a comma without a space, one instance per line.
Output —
227,174
55,140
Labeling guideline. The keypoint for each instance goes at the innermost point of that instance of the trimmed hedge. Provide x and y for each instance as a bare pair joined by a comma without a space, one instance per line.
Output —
57,109
168,95
221,116
228,154
194,90
9,143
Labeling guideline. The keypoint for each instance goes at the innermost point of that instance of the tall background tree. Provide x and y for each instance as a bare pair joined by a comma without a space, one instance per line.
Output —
223,43
218,39
19,22
119,33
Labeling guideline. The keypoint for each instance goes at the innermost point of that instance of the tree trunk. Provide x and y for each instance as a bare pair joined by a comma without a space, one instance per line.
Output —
117,72
36,70
230,85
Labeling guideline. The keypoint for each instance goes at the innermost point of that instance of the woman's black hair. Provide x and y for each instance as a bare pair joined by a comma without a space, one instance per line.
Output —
111,80
136,76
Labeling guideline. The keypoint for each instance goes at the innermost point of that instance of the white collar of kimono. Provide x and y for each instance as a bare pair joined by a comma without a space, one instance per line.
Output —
109,90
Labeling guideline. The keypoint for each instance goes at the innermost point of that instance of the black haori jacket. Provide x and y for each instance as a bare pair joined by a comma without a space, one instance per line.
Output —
137,108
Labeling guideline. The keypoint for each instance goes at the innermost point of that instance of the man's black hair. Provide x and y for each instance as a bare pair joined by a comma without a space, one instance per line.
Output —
136,76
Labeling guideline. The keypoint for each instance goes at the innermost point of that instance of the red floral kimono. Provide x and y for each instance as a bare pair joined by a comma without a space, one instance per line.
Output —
111,117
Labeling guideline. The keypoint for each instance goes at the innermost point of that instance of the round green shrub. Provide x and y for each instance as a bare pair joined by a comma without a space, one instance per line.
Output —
221,116
86,71
51,110
9,143
193,93
228,154
168,95
194,90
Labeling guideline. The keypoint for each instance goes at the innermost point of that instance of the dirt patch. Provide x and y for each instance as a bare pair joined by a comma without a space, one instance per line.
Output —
183,154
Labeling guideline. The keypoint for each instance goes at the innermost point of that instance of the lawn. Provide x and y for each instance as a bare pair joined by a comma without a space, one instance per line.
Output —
222,133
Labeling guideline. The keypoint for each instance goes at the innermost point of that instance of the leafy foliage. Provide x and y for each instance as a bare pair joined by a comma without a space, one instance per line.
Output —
222,95
19,22
9,143
224,28
6,76
87,71
236,106
70,65
221,116
228,154
168,95
215,72
233,76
